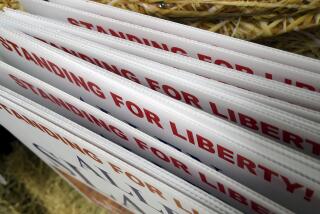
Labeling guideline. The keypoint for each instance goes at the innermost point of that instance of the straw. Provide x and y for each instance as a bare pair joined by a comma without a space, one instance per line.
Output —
305,43
249,28
267,18
14,4
215,8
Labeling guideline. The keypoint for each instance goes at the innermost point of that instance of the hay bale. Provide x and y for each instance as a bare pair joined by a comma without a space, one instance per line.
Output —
244,19
251,28
14,4
216,8
305,43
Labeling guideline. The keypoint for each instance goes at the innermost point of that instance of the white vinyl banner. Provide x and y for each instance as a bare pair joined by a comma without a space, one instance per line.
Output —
194,90
200,35
244,156
100,170
134,140
242,80
169,42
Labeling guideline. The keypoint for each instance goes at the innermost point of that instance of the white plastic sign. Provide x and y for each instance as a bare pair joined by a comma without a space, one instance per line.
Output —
196,91
204,36
93,195
168,42
134,140
243,155
242,80
113,177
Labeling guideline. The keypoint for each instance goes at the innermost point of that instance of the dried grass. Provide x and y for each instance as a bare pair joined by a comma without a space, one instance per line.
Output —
34,188
10,3
250,28
305,43
244,19
216,8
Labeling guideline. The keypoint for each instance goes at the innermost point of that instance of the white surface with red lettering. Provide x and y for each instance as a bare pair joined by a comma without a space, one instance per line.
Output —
189,88
229,76
102,170
292,178
200,35
241,62
117,131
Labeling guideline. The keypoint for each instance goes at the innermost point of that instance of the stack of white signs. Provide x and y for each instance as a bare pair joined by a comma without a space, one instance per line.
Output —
143,115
